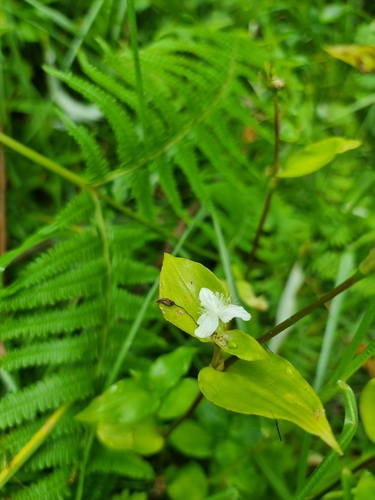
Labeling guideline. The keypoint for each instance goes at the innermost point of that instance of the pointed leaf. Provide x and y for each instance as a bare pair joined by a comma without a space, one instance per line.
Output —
361,57
315,156
271,388
180,283
166,371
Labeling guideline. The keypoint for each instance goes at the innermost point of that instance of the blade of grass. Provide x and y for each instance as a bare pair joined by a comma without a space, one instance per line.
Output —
225,260
347,434
345,267
35,442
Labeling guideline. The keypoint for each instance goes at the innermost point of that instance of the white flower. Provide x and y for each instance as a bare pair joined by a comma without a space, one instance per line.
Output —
216,307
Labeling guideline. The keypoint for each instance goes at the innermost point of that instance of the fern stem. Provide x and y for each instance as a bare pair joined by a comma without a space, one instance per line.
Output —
34,443
90,435
79,181
108,281
43,160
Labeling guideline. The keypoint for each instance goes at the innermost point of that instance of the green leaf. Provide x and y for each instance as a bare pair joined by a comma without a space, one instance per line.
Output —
167,370
367,409
142,437
179,399
315,156
124,402
361,57
180,283
190,484
192,440
241,345
271,388
365,489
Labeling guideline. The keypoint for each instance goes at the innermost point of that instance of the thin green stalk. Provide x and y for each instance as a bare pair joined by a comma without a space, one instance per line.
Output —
347,483
355,465
347,434
359,361
225,260
349,363
85,27
346,264
278,485
44,161
302,462
90,436
35,442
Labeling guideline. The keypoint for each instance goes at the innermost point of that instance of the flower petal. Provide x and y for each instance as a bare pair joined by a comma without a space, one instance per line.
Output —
232,311
210,301
207,325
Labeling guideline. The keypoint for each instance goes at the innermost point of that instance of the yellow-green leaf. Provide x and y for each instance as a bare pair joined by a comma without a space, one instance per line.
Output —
241,345
361,57
316,156
180,283
270,388
367,409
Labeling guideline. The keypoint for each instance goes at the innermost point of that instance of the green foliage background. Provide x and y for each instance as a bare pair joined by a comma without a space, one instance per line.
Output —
150,149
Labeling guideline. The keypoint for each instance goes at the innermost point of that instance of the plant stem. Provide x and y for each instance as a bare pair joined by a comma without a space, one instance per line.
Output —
271,188
34,443
183,417
308,309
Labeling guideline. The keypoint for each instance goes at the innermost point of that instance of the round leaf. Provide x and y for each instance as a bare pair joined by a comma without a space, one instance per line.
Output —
179,399
180,283
192,440
271,388
142,437
122,403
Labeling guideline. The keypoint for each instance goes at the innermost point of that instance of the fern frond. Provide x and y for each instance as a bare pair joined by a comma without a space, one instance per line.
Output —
126,305
186,159
53,486
129,272
116,115
79,210
55,453
96,165
78,249
41,324
141,189
55,352
80,282
120,462
44,395
164,168
13,441
125,240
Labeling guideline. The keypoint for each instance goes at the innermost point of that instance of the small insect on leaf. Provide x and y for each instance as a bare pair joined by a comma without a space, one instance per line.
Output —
166,302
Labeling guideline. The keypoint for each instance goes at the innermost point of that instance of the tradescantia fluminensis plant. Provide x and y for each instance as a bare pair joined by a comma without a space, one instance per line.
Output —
256,382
